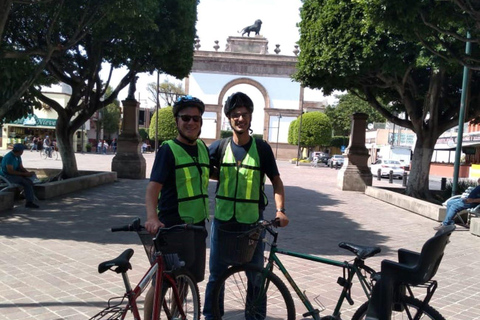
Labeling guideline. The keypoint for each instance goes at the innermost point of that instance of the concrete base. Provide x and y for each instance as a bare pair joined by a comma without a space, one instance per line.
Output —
353,178
88,180
130,166
475,226
6,200
421,207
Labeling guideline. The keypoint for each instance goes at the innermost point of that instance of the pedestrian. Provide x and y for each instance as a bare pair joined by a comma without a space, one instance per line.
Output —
12,169
105,146
34,144
456,205
114,146
240,164
178,188
47,144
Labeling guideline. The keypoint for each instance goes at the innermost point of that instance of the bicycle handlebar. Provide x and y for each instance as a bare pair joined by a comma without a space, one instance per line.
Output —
136,226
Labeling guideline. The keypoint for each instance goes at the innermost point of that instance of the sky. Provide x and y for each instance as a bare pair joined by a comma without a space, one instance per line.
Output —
219,19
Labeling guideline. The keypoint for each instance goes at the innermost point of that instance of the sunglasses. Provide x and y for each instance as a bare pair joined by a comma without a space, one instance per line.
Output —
187,118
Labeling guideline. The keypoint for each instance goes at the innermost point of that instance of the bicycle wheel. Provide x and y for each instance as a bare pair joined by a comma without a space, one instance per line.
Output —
189,295
251,293
412,305
43,154
55,155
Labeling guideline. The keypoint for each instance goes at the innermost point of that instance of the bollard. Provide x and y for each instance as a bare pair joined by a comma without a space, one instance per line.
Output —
379,174
390,176
443,184
404,181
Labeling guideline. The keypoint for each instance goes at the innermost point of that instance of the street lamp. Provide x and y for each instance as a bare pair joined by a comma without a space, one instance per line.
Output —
278,132
156,112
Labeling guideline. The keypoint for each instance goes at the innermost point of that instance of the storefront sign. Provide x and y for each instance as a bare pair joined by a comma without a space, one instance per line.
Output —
33,120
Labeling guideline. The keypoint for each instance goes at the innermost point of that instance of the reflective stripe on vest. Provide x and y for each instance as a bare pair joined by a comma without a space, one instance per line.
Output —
240,187
192,187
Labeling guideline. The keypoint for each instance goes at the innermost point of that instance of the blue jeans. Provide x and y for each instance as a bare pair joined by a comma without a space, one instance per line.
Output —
26,183
218,267
453,207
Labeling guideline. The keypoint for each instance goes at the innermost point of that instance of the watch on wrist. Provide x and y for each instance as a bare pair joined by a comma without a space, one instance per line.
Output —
282,210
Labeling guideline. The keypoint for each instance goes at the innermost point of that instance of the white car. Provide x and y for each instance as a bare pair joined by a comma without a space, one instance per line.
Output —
387,165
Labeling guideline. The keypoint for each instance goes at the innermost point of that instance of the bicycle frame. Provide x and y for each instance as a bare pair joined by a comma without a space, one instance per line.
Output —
345,281
157,270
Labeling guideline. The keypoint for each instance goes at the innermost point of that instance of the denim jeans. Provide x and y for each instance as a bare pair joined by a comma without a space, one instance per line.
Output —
218,267
454,206
27,186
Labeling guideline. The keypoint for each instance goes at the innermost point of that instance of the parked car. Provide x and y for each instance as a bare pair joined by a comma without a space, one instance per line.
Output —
335,161
321,156
387,165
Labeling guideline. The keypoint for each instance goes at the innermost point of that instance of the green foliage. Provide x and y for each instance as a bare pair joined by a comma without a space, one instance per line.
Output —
144,133
343,47
111,117
167,128
338,141
226,134
316,130
348,104
88,147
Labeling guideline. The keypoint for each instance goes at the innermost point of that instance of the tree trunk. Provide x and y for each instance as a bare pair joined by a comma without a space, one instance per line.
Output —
65,147
418,180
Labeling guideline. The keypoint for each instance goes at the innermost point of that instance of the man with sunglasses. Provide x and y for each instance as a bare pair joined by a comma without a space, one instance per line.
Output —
178,189
240,165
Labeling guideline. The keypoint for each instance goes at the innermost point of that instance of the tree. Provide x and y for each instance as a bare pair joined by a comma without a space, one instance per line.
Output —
167,128
111,118
167,91
441,26
31,33
143,36
348,104
316,130
341,48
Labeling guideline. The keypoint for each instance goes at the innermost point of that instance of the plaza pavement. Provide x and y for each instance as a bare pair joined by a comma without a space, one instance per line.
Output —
49,256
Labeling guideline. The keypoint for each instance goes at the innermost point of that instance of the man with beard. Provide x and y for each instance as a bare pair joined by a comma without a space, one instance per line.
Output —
240,164
178,189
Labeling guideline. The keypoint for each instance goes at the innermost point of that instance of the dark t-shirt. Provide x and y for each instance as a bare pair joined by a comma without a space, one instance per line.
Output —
268,165
163,171
475,193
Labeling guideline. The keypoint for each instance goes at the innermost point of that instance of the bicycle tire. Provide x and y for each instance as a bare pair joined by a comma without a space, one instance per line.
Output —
188,291
412,303
234,284
43,154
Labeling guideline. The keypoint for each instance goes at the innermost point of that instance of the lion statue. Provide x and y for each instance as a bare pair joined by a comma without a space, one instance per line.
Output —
253,28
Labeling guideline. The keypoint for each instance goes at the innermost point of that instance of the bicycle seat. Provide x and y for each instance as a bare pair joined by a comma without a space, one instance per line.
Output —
122,262
362,252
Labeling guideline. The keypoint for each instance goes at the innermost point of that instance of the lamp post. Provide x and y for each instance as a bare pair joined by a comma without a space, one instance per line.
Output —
278,132
156,112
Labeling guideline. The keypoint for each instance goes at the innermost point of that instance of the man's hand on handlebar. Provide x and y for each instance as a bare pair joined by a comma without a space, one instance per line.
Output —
282,219
153,224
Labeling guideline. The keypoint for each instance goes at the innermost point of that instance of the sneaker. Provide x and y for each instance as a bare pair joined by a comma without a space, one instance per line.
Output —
31,205
439,227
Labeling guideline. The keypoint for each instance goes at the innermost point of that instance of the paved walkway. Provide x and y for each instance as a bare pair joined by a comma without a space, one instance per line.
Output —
49,257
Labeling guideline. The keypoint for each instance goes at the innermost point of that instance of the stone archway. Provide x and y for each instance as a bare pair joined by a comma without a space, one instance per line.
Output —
243,80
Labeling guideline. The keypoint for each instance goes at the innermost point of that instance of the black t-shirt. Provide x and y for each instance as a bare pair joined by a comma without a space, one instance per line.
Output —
163,171
268,165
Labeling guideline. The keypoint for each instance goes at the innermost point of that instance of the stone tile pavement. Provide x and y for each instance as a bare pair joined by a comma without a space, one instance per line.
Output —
49,257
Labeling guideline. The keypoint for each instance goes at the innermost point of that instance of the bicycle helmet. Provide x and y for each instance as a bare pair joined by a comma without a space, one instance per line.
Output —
187,101
238,99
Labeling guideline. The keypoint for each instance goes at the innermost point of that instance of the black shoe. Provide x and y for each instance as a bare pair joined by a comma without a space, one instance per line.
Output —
31,205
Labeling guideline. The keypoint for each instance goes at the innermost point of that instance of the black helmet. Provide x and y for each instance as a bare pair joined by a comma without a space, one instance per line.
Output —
185,102
238,99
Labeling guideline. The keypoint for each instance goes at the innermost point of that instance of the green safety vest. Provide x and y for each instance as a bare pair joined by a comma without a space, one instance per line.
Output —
240,186
192,185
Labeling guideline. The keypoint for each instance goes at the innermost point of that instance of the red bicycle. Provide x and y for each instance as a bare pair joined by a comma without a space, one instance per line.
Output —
176,294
